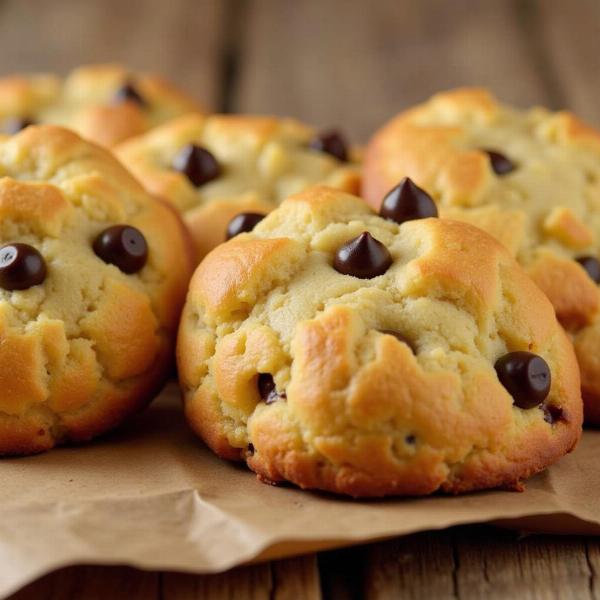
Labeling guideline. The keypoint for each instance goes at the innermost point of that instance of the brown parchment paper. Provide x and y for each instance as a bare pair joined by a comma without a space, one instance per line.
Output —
152,496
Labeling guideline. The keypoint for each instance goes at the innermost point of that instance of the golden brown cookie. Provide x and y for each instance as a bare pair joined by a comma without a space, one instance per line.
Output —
341,351
531,178
93,273
104,103
214,168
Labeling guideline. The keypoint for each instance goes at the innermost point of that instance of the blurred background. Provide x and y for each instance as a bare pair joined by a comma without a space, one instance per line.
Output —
345,63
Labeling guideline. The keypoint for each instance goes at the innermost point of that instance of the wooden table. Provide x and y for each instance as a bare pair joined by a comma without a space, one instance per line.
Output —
350,64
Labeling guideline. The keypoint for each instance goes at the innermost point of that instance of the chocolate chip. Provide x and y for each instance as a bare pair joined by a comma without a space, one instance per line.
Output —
331,142
267,389
242,223
197,164
406,202
552,413
250,449
592,265
128,93
398,336
526,376
16,124
410,439
123,246
363,257
501,164
21,267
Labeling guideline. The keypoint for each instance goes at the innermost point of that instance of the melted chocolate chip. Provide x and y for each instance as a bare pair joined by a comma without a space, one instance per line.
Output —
592,265
128,93
197,164
501,164
250,449
16,124
526,376
552,413
123,246
21,267
242,223
267,390
363,257
398,336
411,439
406,202
331,142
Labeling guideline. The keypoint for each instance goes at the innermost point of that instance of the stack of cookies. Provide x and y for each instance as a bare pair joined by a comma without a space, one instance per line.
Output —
420,340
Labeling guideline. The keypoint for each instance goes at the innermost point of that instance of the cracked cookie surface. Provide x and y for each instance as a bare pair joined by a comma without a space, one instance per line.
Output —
104,103
531,178
84,344
259,162
377,384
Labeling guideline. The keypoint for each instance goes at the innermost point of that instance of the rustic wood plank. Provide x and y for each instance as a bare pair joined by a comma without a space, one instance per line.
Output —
495,564
482,562
179,39
569,37
93,583
280,580
414,567
593,559
342,573
354,64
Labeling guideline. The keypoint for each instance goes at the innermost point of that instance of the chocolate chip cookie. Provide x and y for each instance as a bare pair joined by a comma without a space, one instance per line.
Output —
93,273
225,172
531,178
104,103
375,355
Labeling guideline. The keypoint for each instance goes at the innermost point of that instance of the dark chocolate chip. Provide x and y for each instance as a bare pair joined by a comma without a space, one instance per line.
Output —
398,336
552,413
16,124
406,202
410,439
526,376
250,449
128,93
21,267
197,164
123,246
592,265
242,223
501,164
267,390
331,142
363,257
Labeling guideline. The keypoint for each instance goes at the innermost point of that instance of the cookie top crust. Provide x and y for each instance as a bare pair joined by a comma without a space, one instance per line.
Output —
549,197
104,103
378,382
258,161
88,340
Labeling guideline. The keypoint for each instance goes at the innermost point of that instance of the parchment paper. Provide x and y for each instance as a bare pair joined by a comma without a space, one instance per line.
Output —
152,496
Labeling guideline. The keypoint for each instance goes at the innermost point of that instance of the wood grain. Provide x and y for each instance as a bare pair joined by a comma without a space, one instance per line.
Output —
355,64
179,39
470,563
415,567
569,35
289,579
93,583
